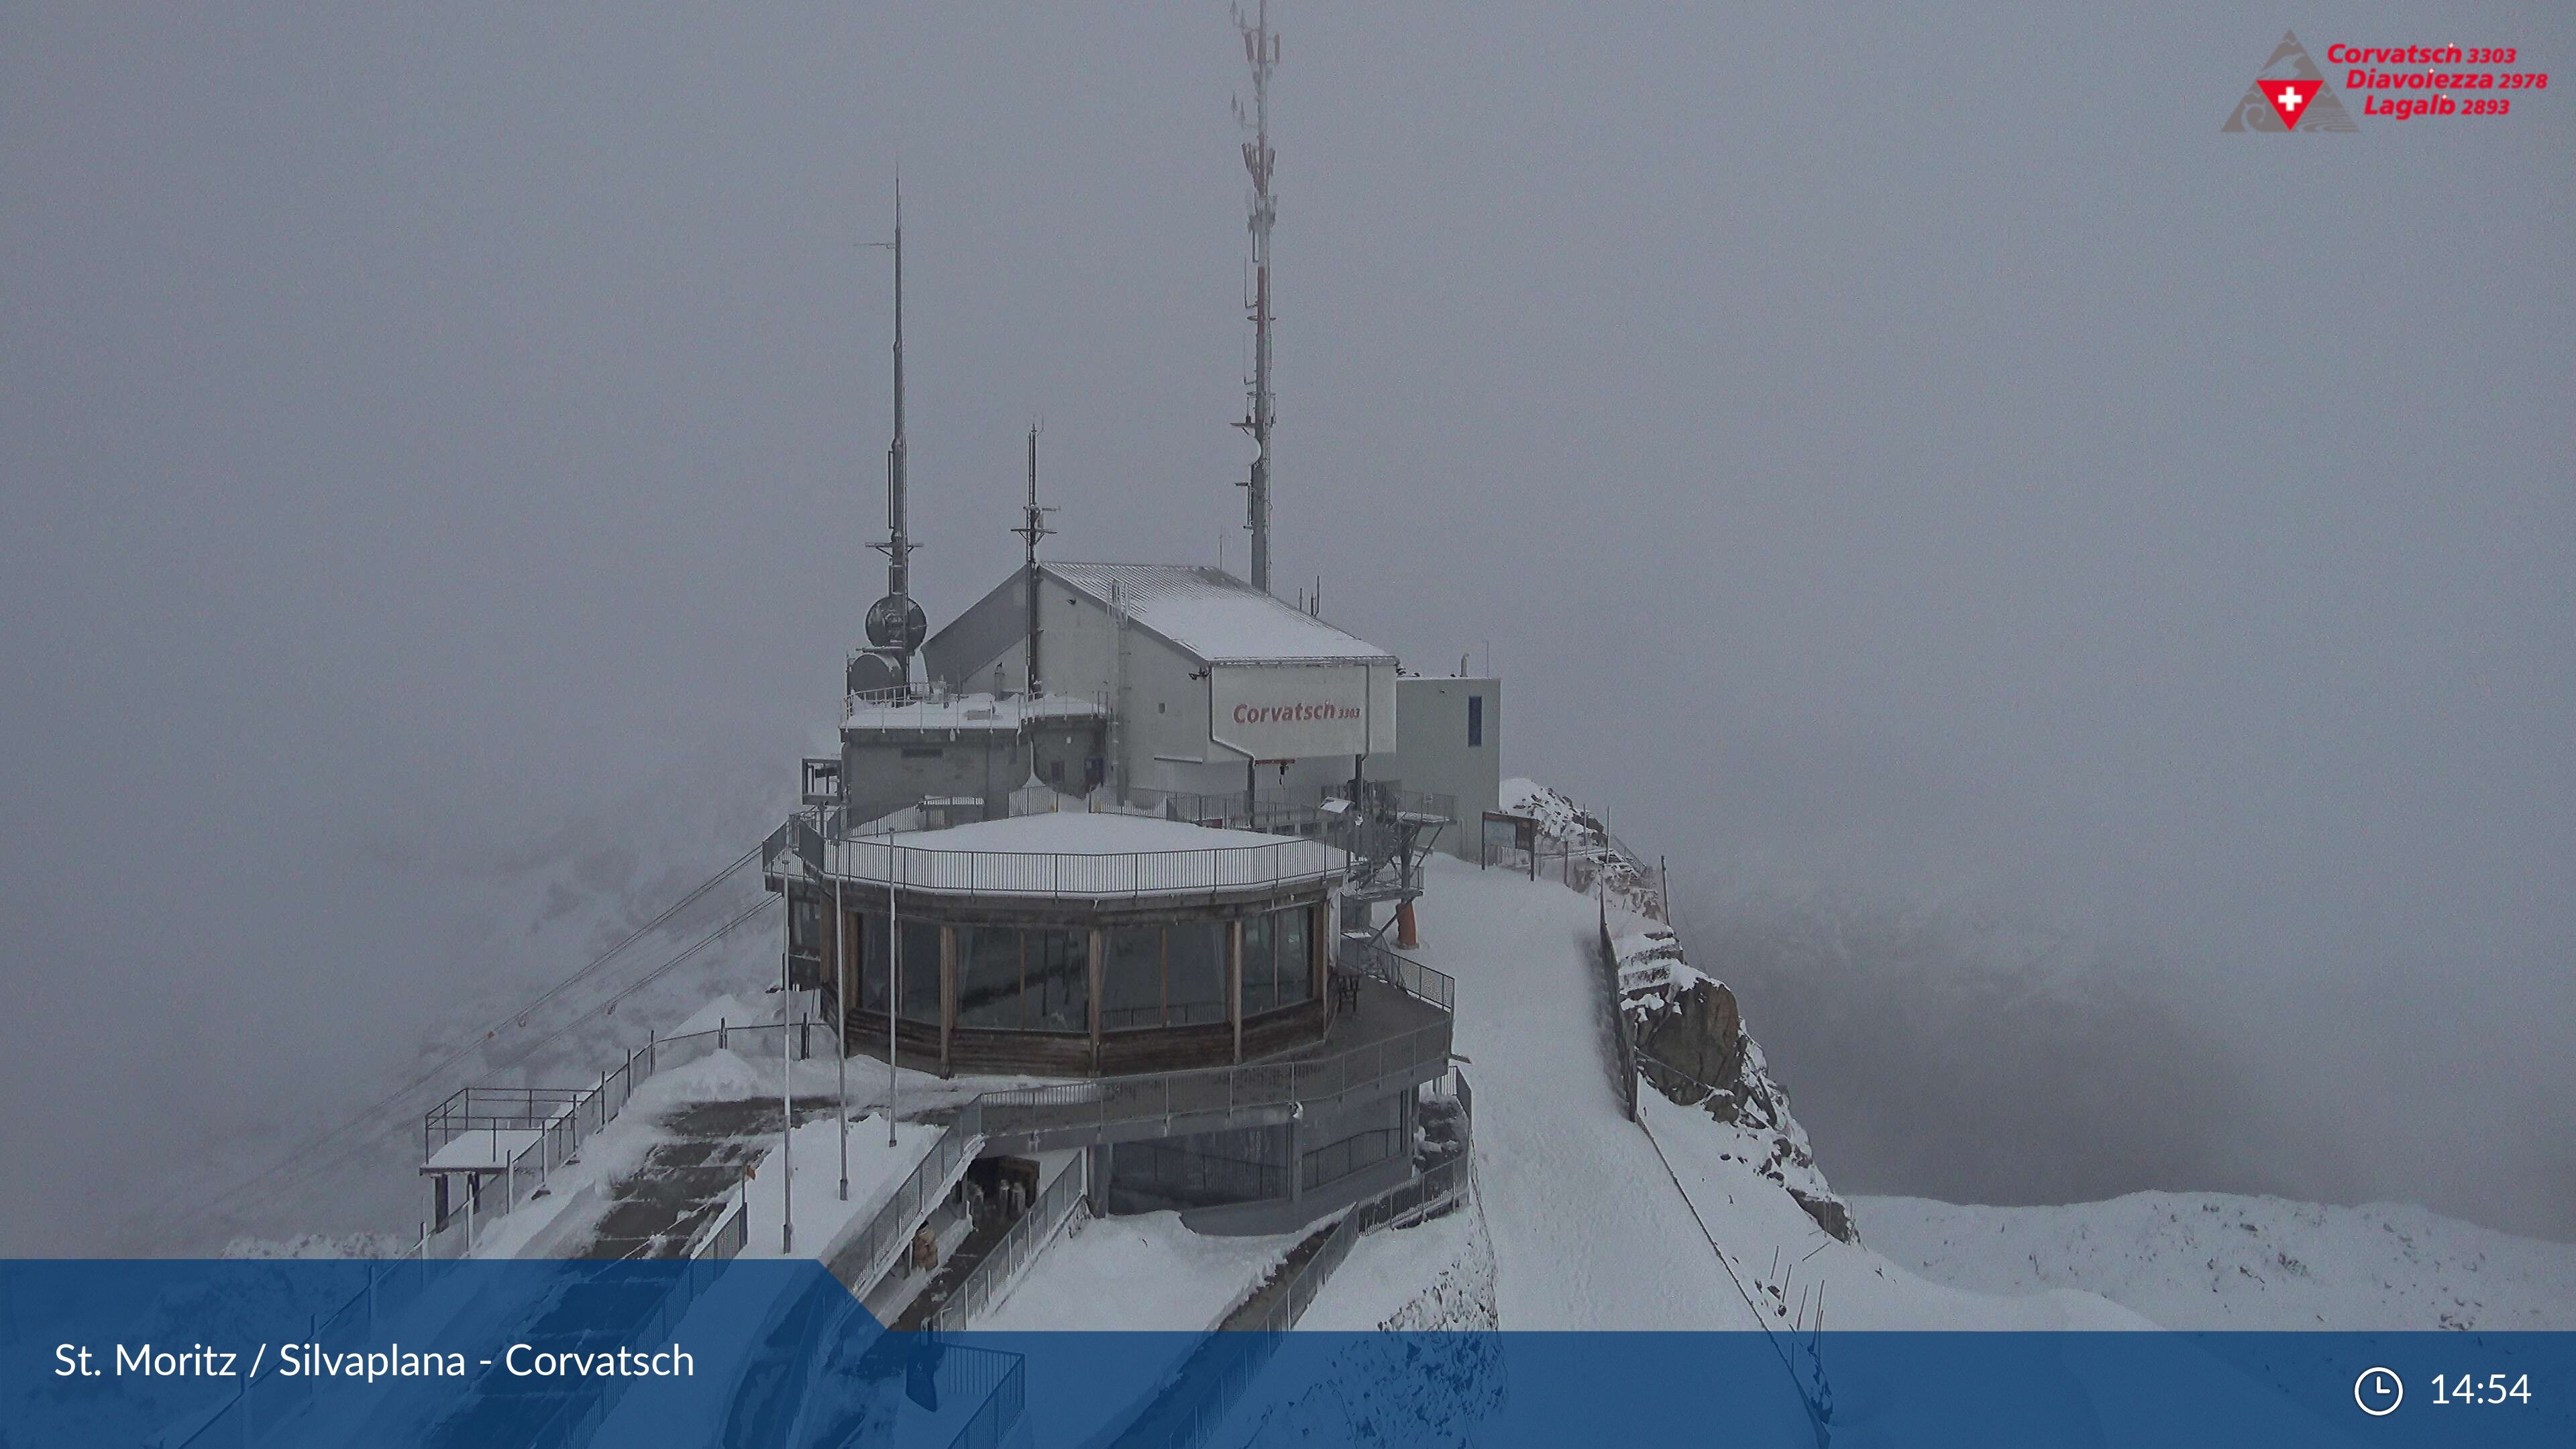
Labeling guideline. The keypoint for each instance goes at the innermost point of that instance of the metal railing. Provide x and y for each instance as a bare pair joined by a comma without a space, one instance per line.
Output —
1089,1109
732,1235
1615,1022
391,1286
1284,812
861,1259
1019,1246
1125,875
926,702
1002,1376
1095,1106
1240,1353
562,1118
1293,810
1409,976
1675,1083
1092,1110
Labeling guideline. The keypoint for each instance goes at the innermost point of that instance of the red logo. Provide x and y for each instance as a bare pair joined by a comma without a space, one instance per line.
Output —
2290,99
2289,96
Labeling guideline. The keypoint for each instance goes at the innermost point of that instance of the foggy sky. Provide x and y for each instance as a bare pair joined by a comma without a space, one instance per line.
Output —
1913,456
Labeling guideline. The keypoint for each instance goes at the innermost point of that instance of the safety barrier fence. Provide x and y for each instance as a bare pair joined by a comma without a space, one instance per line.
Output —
1413,978
1623,1042
1228,1361
570,1117
391,1286
533,1131
1019,1246
1296,810
1124,875
1673,1082
1096,1106
864,1258
1093,1109
1001,1377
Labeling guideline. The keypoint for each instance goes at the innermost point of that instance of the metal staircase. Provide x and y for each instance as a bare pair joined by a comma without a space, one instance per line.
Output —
1389,834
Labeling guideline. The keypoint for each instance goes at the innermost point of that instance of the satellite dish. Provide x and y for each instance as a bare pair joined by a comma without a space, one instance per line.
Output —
896,622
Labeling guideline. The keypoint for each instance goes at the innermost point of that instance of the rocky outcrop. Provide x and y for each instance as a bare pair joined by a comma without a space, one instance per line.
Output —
1693,1048
1687,1027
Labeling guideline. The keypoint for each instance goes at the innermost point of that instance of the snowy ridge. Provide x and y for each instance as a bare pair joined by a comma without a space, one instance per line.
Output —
2221,1261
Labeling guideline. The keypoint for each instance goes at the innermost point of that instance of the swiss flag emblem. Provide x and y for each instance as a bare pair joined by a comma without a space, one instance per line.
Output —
2290,98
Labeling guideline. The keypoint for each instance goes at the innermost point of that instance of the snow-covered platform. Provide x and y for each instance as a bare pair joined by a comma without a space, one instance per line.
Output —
1081,856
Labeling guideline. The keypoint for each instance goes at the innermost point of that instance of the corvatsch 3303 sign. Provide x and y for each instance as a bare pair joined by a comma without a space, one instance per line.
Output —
1301,711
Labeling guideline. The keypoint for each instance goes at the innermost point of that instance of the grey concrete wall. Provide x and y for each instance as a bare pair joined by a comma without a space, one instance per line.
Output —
887,773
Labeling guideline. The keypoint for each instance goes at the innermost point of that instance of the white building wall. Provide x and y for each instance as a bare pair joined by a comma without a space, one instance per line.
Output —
1161,739
1433,754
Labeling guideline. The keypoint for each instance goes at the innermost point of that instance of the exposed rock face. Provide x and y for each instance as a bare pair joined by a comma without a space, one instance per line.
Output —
1693,1048
1687,1028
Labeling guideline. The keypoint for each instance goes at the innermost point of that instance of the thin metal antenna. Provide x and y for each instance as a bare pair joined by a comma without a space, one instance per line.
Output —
892,624
1261,52
1032,528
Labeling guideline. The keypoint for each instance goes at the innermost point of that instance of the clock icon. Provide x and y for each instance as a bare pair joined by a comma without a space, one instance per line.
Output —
2378,1391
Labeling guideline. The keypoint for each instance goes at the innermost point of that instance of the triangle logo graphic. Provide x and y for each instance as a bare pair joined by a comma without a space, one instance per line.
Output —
2288,97
2289,94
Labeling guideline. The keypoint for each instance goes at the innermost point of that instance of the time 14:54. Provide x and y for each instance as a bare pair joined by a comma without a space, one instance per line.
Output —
2468,1389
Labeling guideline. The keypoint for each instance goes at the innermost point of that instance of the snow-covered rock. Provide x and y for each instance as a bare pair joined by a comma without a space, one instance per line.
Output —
2219,1261
1591,855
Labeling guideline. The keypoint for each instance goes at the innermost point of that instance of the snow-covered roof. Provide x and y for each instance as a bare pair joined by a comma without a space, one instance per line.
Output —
1215,616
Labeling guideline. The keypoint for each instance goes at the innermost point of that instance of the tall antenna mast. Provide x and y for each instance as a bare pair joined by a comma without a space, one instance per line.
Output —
1261,51
1032,528
896,625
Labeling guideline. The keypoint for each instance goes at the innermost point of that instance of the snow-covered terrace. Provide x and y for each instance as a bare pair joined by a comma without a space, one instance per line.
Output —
1078,856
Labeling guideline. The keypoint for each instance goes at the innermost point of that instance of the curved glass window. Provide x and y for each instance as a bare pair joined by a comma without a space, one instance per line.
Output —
1166,976
1260,980
1296,961
1056,990
1194,973
988,977
1278,969
921,971
868,959
1132,994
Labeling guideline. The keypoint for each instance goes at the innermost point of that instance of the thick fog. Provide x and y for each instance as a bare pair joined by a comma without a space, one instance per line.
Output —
2083,600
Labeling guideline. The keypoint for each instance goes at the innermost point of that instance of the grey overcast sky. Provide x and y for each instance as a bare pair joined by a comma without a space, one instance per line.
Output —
1906,451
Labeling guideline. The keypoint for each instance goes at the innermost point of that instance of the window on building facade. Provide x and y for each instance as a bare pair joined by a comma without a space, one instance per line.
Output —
1475,721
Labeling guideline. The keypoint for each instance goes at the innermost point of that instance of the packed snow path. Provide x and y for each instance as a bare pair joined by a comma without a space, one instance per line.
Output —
1588,1229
